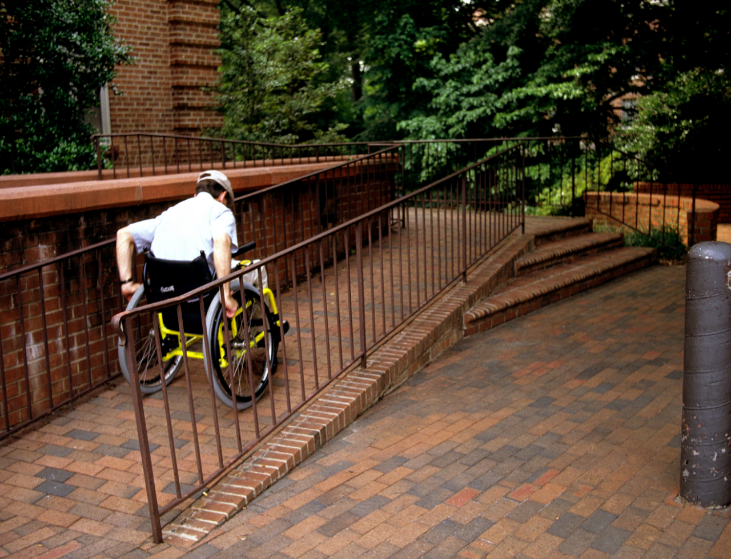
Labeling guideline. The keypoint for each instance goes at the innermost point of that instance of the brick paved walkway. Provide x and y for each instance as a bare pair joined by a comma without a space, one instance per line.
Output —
75,484
555,435
510,442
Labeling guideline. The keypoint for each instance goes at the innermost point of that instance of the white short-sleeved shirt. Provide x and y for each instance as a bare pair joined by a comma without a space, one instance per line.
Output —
186,229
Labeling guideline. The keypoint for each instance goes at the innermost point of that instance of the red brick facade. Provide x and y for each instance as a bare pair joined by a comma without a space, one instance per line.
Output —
174,43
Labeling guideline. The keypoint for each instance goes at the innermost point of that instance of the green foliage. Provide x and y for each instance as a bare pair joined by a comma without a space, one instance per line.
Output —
56,55
543,66
425,69
468,95
400,41
667,240
268,87
679,130
586,174
377,49
34,152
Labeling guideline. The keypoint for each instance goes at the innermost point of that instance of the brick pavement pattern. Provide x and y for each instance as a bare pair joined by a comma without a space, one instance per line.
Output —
554,435
76,484
550,422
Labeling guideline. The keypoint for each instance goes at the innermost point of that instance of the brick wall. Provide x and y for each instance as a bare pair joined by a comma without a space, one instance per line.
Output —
76,350
291,215
174,43
641,210
193,39
718,193
146,86
64,344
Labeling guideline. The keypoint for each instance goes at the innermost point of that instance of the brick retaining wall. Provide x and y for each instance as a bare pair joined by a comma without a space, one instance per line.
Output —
718,193
641,210
74,348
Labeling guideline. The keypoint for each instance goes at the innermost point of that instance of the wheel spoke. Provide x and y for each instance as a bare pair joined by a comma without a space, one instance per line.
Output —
231,372
148,360
149,371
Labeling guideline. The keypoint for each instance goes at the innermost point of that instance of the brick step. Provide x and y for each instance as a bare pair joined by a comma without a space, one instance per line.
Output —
543,287
566,250
567,229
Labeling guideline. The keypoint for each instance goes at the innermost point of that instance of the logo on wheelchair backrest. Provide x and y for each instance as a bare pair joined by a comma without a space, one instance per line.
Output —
167,289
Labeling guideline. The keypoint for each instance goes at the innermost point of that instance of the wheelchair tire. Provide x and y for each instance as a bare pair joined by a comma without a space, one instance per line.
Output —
147,367
264,360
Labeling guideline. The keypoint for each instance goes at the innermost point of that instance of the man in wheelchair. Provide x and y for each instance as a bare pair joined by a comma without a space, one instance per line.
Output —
190,242
204,222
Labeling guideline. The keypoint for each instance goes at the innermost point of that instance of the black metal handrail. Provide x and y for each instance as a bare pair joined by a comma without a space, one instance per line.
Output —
63,357
57,308
372,279
408,165
55,314
179,154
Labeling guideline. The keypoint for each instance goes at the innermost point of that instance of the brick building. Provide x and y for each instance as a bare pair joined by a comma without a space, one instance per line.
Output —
174,43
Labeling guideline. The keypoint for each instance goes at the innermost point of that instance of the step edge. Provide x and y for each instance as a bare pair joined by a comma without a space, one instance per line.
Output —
480,311
539,257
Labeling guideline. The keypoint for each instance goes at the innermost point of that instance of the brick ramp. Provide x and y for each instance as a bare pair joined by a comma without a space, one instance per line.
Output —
439,326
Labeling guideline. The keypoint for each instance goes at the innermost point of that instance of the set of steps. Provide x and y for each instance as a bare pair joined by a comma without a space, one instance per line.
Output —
566,260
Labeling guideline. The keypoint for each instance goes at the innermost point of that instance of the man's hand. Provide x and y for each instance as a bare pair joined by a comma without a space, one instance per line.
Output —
129,289
231,305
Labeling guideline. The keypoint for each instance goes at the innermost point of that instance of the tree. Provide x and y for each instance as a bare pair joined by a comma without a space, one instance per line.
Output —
541,67
544,66
479,68
55,57
678,130
378,48
268,88
403,39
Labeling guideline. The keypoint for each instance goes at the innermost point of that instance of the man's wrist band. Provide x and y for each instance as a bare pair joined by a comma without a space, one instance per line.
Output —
130,280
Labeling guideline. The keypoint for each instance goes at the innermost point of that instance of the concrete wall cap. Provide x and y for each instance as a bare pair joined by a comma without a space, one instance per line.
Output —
28,202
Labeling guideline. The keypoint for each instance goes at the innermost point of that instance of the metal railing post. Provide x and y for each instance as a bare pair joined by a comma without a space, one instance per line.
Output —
361,290
522,188
464,227
142,434
98,156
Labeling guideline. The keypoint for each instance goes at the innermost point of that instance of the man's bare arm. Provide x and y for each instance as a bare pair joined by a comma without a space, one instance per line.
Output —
222,264
125,256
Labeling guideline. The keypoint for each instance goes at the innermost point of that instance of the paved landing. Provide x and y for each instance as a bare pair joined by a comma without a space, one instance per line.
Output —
554,435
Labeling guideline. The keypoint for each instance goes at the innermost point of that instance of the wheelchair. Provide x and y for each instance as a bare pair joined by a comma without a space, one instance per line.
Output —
226,360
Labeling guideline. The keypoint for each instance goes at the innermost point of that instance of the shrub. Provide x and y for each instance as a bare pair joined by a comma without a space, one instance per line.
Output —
556,198
679,130
56,56
667,240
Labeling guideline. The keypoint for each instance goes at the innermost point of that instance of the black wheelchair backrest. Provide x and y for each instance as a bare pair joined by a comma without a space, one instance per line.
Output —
165,279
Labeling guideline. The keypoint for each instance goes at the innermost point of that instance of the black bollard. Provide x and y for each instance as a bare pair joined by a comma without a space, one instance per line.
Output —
705,456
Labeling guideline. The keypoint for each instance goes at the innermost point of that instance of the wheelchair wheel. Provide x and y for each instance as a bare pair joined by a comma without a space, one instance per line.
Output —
262,350
148,368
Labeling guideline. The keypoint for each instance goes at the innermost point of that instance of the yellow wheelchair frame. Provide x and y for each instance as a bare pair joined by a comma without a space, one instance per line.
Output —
191,339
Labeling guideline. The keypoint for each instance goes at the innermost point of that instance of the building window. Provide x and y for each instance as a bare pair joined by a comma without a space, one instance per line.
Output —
629,109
